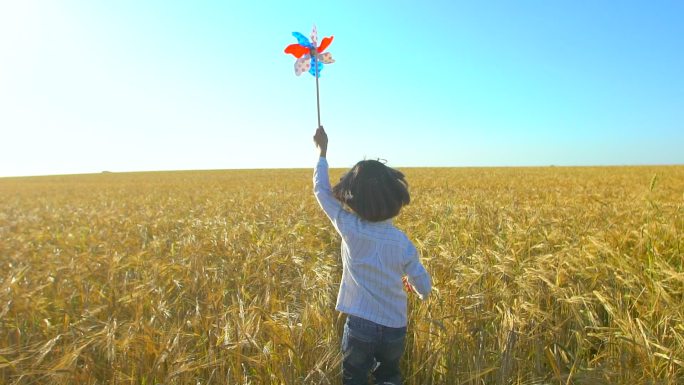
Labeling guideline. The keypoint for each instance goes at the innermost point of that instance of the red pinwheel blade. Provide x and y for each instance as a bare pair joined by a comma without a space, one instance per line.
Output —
296,50
325,43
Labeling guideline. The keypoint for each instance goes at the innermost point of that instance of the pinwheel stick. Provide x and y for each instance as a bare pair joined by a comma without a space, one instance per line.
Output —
318,99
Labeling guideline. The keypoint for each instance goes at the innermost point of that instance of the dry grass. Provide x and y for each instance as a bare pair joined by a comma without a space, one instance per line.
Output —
542,276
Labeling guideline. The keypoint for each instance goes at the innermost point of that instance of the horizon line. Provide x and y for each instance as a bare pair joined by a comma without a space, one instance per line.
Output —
105,172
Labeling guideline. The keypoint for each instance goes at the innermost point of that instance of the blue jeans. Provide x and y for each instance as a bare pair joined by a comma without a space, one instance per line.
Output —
371,348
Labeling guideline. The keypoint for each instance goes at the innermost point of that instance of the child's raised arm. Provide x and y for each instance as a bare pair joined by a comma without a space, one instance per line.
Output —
322,189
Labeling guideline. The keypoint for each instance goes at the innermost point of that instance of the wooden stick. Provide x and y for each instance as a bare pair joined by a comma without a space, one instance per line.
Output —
318,100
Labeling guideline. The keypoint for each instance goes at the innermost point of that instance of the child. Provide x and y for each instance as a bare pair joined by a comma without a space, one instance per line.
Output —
376,259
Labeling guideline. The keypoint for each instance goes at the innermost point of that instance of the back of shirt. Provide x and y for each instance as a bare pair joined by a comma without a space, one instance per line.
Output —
375,257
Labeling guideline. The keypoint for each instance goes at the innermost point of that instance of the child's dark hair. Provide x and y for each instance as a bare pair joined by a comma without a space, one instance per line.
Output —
374,191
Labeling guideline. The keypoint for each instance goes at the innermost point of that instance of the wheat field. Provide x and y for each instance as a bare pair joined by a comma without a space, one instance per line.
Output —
553,275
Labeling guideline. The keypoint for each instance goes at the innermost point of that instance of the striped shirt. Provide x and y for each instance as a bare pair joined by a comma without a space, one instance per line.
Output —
375,257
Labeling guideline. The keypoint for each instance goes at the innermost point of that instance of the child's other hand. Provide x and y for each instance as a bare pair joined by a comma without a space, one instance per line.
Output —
407,285
321,140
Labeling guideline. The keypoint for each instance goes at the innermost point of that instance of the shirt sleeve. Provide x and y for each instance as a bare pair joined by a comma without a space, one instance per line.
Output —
323,193
417,275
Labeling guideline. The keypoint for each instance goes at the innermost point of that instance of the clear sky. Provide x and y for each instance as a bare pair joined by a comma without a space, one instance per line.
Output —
87,86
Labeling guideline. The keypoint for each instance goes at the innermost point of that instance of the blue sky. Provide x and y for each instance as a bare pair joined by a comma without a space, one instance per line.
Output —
87,86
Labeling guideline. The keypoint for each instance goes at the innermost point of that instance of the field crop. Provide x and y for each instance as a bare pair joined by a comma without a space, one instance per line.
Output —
541,276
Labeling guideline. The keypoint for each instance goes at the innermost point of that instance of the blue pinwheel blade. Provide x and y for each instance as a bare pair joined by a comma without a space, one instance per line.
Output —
312,70
302,40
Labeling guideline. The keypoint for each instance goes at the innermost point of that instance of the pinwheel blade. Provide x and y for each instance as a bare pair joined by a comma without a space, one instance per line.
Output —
302,40
314,36
325,43
313,64
326,58
303,64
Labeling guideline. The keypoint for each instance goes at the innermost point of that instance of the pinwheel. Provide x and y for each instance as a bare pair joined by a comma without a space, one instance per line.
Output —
311,58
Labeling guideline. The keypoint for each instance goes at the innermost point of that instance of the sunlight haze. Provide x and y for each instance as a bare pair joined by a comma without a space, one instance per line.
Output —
132,86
